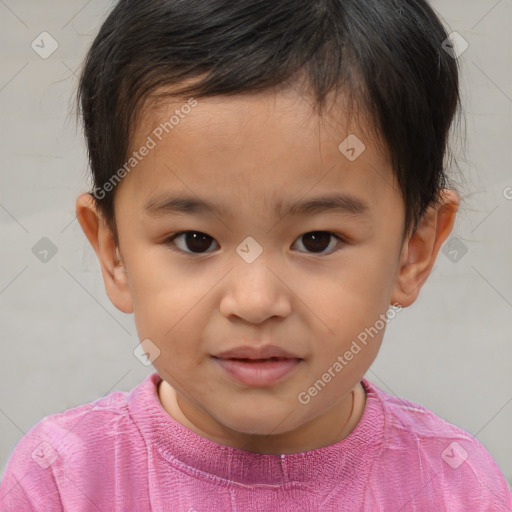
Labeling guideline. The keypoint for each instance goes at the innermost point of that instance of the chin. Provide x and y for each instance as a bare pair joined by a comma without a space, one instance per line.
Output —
254,422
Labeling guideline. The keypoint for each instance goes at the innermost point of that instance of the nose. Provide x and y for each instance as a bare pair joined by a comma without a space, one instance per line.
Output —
255,292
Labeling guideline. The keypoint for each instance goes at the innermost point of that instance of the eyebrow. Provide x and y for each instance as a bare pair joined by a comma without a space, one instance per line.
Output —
343,203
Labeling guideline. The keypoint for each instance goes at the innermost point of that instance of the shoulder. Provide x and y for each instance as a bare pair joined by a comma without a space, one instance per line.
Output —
64,447
438,461
81,428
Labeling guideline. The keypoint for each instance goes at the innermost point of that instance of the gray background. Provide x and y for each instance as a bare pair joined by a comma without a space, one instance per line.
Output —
64,343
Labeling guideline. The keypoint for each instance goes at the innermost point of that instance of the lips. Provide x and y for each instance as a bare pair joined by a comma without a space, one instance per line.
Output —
259,367
258,372
252,353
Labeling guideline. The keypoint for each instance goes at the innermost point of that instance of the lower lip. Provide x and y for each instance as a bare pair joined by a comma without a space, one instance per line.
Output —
258,373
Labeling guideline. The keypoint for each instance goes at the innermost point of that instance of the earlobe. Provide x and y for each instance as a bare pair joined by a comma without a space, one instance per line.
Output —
420,251
102,241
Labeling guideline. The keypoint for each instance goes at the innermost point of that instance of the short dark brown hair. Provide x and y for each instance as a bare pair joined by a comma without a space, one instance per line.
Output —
387,55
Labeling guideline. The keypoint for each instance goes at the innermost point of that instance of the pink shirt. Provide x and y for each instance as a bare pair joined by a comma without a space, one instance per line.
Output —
123,452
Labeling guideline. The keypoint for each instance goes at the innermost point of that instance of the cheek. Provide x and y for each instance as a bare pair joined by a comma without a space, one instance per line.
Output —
172,308
354,308
160,295
354,293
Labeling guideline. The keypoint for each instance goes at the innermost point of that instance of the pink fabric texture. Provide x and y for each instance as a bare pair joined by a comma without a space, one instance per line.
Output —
123,452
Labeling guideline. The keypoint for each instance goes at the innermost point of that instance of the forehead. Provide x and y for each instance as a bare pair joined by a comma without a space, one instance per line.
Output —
270,146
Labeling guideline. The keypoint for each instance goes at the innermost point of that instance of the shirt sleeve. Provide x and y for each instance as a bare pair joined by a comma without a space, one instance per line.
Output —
29,482
440,474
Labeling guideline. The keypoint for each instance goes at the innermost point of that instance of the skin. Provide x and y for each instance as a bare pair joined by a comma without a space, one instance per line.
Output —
249,153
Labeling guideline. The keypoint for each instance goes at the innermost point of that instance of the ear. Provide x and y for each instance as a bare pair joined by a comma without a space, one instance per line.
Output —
420,250
102,240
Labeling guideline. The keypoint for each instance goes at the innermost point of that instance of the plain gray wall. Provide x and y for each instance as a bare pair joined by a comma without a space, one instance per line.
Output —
64,343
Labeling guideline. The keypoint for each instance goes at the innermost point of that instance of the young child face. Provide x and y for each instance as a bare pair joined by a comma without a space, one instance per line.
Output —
250,156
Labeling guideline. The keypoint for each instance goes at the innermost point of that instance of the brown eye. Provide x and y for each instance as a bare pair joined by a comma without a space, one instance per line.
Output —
319,241
191,242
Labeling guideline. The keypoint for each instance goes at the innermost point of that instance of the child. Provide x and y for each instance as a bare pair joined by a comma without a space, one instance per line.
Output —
226,140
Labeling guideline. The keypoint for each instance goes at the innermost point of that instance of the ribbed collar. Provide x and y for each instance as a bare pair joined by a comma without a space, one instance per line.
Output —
181,446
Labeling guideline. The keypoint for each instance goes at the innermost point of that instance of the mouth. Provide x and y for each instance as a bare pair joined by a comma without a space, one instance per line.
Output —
258,372
251,360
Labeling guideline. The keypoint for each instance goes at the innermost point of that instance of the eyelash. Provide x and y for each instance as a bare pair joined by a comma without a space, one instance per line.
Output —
170,242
